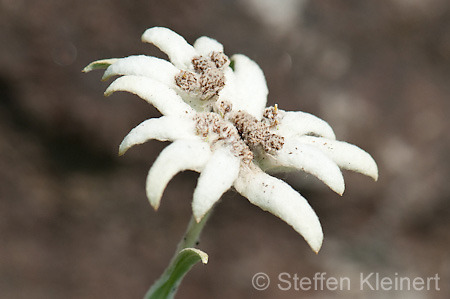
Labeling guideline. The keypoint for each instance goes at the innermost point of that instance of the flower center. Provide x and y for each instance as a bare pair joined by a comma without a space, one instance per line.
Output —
242,131
256,134
217,131
208,77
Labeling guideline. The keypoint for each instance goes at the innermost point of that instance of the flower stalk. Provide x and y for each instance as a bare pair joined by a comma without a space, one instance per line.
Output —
185,257
192,235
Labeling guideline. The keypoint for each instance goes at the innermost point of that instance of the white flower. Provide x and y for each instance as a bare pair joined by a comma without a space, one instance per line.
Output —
214,113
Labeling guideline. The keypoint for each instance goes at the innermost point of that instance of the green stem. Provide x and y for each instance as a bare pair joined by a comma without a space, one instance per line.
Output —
192,234
165,286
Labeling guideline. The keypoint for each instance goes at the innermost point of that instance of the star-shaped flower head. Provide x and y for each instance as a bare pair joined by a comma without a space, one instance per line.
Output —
214,112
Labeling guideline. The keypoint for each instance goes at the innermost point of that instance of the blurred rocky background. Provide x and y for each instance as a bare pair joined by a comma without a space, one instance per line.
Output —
74,219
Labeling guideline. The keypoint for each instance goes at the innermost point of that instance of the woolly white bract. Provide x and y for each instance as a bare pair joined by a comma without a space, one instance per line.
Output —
214,112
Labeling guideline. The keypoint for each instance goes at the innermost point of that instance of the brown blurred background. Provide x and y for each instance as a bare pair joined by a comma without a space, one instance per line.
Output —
74,219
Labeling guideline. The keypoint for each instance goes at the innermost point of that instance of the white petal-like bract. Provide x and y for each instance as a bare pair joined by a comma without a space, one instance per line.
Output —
155,68
174,45
309,159
164,128
278,198
179,156
297,123
166,100
205,45
215,179
346,155
250,86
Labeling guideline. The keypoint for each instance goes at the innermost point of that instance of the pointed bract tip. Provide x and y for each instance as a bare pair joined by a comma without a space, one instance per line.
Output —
375,176
99,65
197,217
105,77
315,243
122,150
339,191
108,92
155,207
316,248
88,68
154,202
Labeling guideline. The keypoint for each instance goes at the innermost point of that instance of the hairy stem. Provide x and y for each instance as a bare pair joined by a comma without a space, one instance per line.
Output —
165,287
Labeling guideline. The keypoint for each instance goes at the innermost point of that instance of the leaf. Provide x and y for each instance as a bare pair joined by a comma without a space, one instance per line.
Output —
99,65
166,286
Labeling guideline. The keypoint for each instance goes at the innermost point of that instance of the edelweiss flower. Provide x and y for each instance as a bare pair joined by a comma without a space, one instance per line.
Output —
214,113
